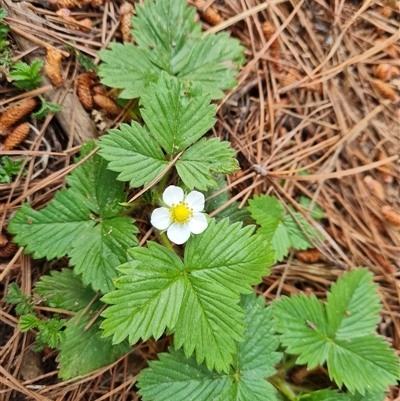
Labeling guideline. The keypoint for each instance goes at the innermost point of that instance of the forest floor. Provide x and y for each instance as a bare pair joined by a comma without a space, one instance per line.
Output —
319,93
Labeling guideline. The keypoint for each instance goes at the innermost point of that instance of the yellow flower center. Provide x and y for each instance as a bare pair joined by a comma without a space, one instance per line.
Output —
181,213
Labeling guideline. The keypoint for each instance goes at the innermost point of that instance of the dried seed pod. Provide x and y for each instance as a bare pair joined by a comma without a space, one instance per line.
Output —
390,216
85,24
96,3
386,177
19,133
209,14
386,11
107,104
99,90
386,72
15,112
53,66
9,250
375,187
57,4
85,82
3,240
390,50
389,268
275,48
384,89
309,255
126,12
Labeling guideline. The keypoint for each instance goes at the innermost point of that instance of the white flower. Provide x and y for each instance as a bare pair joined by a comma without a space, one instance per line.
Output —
181,216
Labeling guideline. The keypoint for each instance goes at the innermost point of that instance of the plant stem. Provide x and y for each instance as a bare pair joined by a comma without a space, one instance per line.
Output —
165,241
283,387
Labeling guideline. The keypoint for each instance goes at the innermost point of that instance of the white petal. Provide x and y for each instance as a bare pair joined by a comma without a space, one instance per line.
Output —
198,223
178,233
160,218
173,194
195,200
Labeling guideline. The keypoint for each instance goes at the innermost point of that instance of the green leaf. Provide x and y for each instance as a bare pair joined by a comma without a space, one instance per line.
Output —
134,153
26,76
175,117
8,168
86,62
22,301
148,295
196,299
197,163
169,40
46,108
178,377
128,68
340,333
229,255
3,14
28,322
162,29
81,222
213,61
232,212
316,212
209,323
63,290
83,351
281,230
323,395
175,377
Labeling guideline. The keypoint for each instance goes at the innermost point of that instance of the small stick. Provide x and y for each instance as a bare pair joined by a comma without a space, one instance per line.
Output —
35,40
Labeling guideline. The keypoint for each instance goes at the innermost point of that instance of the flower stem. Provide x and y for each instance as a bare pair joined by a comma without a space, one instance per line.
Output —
165,241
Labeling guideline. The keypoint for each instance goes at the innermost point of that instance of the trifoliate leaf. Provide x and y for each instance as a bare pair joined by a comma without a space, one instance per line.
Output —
338,334
178,377
281,230
197,163
133,152
86,213
63,290
128,68
169,40
26,76
196,299
8,168
23,302
83,351
175,117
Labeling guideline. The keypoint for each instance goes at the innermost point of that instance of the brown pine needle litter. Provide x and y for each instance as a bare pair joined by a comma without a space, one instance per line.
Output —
319,95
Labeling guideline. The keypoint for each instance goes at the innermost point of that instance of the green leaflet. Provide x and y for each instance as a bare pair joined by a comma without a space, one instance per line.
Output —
175,116
196,299
63,290
83,351
197,163
177,377
340,333
279,228
81,222
169,40
134,153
